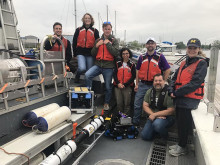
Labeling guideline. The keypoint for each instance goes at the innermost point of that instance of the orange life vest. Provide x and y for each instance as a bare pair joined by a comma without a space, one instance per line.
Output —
185,76
149,68
124,73
86,38
57,47
104,54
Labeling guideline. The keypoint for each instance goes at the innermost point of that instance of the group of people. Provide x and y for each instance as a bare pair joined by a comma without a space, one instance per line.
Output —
160,100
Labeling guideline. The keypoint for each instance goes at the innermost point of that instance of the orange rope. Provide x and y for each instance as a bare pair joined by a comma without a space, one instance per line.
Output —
42,80
27,83
3,88
16,154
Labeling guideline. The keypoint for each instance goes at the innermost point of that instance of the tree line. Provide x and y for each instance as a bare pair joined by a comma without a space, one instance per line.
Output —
179,45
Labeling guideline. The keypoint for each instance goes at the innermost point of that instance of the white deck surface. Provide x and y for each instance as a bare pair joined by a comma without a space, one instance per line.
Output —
30,142
209,140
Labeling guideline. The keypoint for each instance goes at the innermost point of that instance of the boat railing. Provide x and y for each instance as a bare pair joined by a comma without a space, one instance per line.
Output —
31,76
211,88
180,60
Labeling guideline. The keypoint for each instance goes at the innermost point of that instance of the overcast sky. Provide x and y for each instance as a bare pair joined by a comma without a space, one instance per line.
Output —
166,20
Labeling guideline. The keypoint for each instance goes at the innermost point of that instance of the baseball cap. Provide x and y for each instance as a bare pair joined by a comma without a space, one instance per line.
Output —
150,39
194,42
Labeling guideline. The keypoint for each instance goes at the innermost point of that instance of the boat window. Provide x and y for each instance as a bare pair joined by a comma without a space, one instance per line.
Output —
166,49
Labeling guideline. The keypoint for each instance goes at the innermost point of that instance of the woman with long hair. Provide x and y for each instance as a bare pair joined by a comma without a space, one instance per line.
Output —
83,42
187,89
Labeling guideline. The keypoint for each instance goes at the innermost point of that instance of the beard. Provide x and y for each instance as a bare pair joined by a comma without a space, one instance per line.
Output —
150,49
158,87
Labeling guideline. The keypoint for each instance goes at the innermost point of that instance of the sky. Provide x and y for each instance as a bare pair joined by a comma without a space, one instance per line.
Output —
165,20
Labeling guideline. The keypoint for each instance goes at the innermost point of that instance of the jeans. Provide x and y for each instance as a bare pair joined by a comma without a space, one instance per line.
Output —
84,64
157,126
107,74
138,101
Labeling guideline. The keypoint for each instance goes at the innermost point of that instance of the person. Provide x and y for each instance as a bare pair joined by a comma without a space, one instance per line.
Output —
148,65
160,109
187,88
83,42
106,49
55,45
124,75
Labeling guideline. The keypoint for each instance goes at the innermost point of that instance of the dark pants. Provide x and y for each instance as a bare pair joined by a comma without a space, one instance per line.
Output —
184,123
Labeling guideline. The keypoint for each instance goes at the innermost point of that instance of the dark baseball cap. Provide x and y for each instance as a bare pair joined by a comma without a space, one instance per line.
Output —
194,42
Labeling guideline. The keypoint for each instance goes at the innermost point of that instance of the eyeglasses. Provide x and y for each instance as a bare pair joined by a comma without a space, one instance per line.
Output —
150,43
106,22
125,53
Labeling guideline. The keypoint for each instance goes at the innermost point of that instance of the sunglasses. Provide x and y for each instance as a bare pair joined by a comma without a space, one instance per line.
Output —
107,23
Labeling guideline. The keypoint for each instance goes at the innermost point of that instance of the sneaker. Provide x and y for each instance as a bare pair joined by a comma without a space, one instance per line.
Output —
173,147
178,151
106,107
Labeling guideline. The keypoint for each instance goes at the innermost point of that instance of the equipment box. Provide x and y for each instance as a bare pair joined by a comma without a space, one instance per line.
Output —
81,99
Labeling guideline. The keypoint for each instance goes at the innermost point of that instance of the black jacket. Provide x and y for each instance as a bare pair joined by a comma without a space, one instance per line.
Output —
79,50
68,55
133,73
197,79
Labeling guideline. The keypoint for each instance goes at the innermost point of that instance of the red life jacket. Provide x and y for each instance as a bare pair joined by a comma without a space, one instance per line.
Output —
185,76
149,68
86,38
124,73
57,47
104,54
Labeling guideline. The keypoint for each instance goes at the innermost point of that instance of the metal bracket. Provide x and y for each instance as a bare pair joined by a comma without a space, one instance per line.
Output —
210,107
216,126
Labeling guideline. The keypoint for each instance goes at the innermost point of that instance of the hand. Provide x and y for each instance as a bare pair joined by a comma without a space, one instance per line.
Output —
54,38
120,85
161,117
172,95
100,42
152,117
106,41
136,88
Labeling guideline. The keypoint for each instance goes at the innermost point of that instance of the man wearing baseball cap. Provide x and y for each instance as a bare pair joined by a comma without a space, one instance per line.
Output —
148,65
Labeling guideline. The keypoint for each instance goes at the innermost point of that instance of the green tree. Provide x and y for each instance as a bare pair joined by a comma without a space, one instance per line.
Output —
180,45
135,45
216,43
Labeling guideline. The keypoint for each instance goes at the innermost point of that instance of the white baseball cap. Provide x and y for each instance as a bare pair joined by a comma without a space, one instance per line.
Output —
150,39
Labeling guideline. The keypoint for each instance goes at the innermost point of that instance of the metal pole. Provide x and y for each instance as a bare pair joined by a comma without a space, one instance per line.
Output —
99,21
213,64
42,84
125,38
75,14
115,23
55,80
107,13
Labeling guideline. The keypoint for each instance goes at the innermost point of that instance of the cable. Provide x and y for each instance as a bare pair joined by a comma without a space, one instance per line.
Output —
84,6
16,154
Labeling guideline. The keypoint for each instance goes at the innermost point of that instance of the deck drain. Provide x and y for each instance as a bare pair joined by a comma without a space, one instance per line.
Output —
158,155
114,162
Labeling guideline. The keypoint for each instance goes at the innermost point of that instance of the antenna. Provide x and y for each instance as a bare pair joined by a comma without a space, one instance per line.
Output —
75,14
